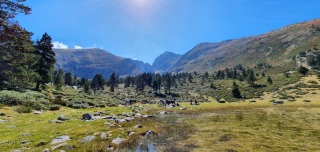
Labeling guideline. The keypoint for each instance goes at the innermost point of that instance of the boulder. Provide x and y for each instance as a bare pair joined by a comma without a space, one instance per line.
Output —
63,118
17,150
87,116
129,118
60,139
46,150
109,148
138,126
87,139
163,113
117,141
37,112
103,135
137,115
58,146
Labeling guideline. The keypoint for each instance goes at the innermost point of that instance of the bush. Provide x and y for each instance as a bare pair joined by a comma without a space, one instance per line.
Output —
13,98
54,107
24,109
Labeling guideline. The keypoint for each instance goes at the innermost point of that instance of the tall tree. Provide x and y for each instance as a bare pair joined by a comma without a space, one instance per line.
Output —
235,91
168,82
97,83
269,80
46,62
112,81
16,48
86,87
68,79
58,79
251,78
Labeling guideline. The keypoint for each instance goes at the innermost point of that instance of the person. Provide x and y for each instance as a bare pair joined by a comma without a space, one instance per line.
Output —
191,102
196,102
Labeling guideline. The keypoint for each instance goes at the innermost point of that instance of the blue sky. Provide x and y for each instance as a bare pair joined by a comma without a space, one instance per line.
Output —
143,29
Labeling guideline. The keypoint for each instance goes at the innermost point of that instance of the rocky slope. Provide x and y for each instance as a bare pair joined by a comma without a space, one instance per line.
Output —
165,61
276,48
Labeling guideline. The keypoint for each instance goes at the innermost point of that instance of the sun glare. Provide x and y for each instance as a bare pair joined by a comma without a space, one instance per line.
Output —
143,8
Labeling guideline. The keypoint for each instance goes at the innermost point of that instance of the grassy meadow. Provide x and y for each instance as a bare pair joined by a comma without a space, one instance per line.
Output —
254,124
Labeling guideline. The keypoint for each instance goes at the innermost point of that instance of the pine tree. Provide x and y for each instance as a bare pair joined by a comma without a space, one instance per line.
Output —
97,83
46,62
16,48
86,87
235,91
168,82
58,79
250,78
68,79
112,81
269,80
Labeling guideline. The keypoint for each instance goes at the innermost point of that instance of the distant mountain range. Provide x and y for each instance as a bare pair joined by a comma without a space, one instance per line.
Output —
88,62
275,48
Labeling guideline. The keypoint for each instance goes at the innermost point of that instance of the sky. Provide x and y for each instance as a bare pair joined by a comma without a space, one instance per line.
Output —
143,29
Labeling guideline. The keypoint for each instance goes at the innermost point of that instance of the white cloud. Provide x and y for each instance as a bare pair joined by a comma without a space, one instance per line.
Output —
77,47
59,45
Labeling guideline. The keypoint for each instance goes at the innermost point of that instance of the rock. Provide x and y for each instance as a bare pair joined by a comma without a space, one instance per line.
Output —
135,111
60,139
17,150
87,116
183,108
24,142
87,139
58,146
130,132
2,121
2,114
59,121
37,112
117,141
63,151
107,117
126,115
163,113
145,116
46,150
109,148
120,120
103,135
138,126
137,115
129,118
149,133
63,118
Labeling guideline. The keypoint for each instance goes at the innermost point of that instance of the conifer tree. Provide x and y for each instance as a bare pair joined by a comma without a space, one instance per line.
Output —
235,91
46,61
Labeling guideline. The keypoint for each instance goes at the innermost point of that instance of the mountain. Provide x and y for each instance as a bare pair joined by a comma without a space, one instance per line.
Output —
144,67
165,61
88,62
276,48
